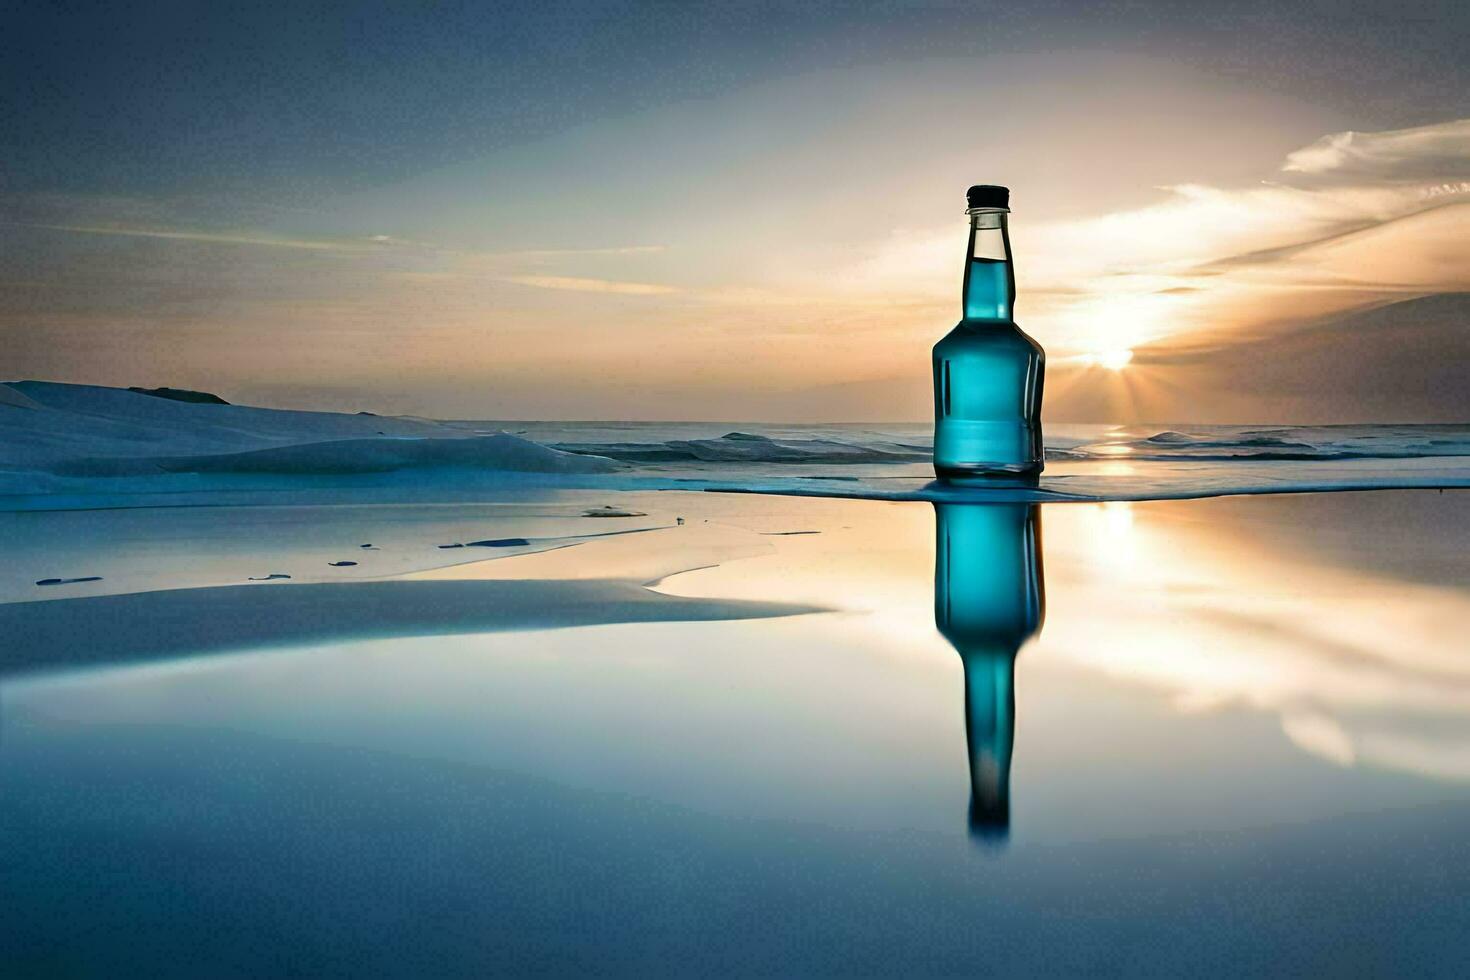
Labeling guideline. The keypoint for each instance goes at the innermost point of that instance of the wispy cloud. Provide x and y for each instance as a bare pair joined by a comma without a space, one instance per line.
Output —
559,253
578,284
1352,219
217,238
1349,221
1422,154
369,243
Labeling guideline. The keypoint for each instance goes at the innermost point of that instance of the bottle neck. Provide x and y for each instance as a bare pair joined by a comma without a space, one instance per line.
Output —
990,278
990,733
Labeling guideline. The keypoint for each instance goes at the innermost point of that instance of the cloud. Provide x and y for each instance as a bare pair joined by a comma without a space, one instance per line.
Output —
1437,152
1348,221
1362,219
1218,257
578,284
1228,260
1320,735
159,220
557,253
214,238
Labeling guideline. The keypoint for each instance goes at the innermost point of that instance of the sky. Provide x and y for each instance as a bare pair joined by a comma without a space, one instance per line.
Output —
1223,212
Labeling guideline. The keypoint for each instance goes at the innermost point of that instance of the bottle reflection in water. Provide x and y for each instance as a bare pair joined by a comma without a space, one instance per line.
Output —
989,599
988,374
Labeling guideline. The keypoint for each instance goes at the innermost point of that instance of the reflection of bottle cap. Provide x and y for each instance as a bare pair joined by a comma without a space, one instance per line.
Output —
989,196
990,824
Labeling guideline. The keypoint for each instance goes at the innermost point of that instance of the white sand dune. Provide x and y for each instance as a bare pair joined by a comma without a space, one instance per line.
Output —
50,431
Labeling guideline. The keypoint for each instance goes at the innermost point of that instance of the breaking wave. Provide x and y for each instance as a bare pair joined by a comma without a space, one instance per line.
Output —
1323,442
841,445
91,444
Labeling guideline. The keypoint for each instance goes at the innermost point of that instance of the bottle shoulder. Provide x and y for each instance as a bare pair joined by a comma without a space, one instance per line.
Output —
990,333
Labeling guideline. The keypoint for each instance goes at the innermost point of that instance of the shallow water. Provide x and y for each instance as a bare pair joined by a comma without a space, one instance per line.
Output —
1241,740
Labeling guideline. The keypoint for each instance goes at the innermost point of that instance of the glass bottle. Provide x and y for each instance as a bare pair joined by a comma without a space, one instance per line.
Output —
987,373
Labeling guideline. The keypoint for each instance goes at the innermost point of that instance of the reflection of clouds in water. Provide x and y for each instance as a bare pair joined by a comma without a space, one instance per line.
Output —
1441,759
1183,597
1321,736
1360,669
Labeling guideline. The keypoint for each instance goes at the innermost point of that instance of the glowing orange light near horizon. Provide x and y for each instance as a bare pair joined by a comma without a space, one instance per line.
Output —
1113,360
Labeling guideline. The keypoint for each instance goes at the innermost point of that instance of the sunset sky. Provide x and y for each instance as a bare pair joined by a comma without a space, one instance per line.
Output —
1223,212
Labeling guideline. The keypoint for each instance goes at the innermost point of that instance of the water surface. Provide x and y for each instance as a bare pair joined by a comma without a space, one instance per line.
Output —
1239,741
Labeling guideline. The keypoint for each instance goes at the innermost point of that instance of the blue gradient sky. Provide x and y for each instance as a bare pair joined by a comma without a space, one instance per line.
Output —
742,211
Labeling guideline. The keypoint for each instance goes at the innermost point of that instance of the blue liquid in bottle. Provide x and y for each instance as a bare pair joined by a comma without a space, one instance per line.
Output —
987,373
989,599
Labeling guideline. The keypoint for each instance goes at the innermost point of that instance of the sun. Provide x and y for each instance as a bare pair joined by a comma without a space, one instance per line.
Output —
1113,360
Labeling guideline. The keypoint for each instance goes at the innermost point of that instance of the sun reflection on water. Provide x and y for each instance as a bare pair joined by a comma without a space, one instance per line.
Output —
1174,597
1360,669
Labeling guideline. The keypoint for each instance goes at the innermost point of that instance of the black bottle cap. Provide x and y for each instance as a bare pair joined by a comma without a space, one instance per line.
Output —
989,196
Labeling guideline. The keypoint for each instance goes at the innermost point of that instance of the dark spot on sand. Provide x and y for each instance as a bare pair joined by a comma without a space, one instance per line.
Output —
368,545
341,564
451,546
267,578
68,581
498,543
781,534
607,510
